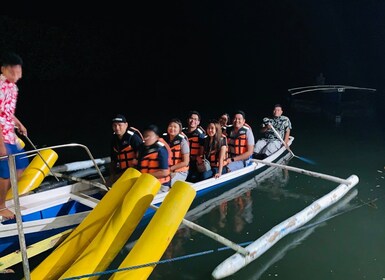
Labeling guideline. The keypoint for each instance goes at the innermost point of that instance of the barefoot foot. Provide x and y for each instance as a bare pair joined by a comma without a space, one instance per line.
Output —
6,214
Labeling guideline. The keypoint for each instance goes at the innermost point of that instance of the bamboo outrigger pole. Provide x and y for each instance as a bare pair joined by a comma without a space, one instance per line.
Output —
213,235
306,172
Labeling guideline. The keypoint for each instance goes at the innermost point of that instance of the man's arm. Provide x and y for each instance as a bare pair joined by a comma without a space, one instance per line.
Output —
286,139
20,127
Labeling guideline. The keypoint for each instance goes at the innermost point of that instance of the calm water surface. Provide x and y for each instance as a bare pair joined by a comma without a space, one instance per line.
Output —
345,241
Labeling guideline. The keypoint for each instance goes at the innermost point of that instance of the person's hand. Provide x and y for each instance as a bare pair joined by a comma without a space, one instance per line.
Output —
199,160
22,130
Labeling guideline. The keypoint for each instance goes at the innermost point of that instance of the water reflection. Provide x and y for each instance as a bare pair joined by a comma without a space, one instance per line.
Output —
242,213
262,181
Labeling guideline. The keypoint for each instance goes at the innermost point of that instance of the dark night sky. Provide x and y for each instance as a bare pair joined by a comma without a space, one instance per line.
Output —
225,55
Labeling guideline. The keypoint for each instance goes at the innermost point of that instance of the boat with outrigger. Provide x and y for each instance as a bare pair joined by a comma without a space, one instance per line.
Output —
55,206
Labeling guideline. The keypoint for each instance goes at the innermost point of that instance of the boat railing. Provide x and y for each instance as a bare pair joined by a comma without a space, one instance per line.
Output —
14,187
69,145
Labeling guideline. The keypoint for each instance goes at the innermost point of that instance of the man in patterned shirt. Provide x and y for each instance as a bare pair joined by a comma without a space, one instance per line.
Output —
270,143
11,72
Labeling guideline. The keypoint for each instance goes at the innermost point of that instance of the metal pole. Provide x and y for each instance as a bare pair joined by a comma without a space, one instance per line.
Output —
23,247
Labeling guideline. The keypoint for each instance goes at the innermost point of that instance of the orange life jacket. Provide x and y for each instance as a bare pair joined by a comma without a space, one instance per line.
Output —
176,150
237,143
213,156
126,154
149,160
193,138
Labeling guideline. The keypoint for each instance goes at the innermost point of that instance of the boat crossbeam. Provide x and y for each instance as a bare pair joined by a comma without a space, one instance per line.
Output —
219,238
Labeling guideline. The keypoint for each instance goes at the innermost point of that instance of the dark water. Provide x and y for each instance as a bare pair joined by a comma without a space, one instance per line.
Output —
345,241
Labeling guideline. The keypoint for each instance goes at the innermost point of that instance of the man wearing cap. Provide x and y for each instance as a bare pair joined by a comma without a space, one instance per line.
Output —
270,142
124,147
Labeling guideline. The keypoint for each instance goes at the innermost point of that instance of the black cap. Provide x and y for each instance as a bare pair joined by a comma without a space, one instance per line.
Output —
119,118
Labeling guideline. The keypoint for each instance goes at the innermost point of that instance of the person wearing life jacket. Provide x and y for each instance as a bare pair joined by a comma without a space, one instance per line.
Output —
180,150
240,141
153,157
124,147
215,150
195,135
224,120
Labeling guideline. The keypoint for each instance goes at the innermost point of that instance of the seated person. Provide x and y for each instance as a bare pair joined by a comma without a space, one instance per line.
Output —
270,142
224,122
195,135
153,157
124,147
215,150
240,141
180,151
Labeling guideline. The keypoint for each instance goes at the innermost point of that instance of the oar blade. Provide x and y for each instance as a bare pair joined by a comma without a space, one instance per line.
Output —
307,160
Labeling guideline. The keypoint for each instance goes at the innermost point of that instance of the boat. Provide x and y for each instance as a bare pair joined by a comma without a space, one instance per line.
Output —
334,101
53,209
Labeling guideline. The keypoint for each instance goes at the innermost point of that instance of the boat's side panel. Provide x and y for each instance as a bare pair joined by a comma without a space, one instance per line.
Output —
33,250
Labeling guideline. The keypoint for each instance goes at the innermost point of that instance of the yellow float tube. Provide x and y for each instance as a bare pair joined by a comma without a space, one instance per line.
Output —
114,234
35,172
67,252
158,234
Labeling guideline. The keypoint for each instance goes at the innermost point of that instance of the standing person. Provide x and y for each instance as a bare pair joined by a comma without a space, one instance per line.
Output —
153,157
215,150
270,143
11,72
180,151
240,139
124,147
195,135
